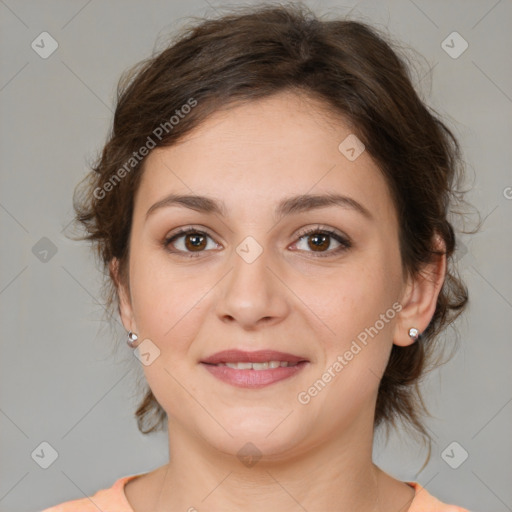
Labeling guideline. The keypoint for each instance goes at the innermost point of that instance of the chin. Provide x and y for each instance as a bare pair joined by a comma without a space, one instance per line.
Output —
270,437
252,449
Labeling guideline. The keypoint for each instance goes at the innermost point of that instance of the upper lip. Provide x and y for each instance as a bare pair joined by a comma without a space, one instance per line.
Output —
259,356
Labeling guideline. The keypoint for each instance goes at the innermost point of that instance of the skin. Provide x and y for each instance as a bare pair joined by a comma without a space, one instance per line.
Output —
289,299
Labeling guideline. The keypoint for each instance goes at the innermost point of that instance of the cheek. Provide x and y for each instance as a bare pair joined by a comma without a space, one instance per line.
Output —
359,306
168,311
165,302
352,299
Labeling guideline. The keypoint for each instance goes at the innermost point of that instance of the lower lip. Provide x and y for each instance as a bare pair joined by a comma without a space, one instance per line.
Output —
253,378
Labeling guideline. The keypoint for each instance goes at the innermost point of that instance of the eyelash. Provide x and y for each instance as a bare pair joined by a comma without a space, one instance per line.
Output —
345,243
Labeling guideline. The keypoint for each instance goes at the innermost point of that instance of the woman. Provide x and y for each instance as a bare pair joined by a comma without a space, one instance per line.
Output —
272,207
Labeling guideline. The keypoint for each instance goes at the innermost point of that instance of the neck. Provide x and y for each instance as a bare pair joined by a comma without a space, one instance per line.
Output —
340,471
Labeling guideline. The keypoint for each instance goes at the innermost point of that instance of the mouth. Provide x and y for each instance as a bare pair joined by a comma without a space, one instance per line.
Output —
256,366
253,369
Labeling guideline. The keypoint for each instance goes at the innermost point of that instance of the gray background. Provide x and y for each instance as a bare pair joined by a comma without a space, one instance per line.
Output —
62,382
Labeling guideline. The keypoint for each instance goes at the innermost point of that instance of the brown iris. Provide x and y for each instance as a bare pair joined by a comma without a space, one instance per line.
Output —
320,241
193,241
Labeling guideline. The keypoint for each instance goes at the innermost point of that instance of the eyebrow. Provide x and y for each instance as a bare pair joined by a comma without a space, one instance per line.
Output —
288,206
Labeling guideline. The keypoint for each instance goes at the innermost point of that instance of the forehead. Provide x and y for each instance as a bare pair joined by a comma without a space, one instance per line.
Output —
253,154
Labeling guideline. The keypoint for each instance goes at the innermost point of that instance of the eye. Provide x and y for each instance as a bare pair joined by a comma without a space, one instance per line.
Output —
320,240
194,241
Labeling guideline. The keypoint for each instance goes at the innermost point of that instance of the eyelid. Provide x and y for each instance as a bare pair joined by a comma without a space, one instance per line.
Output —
344,240
323,228
185,231
188,229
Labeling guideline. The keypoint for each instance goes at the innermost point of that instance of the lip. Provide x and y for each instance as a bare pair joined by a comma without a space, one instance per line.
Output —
252,378
260,356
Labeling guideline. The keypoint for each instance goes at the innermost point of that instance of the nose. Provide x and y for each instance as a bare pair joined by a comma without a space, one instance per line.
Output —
253,293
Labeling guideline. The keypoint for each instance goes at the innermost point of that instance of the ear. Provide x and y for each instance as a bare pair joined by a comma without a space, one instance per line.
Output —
420,297
125,306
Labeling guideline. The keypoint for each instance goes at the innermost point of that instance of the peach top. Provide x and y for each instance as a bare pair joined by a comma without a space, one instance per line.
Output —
114,500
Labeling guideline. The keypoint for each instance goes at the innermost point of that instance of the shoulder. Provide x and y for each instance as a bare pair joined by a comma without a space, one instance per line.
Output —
112,499
424,501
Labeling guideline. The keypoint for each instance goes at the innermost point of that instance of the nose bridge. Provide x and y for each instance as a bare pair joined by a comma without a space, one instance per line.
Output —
251,292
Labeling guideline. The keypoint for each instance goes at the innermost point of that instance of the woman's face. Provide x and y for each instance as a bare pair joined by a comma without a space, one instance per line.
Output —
250,279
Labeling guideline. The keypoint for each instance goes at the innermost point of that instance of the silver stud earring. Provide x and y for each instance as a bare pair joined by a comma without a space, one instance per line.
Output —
414,333
132,339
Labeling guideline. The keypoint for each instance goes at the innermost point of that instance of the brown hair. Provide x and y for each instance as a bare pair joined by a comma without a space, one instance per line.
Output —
356,74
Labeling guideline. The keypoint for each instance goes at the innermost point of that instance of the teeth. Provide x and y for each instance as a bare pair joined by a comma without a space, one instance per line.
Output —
240,366
260,366
257,366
